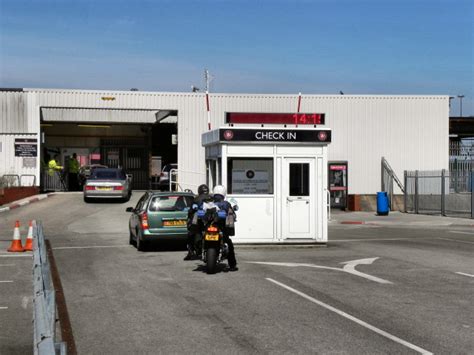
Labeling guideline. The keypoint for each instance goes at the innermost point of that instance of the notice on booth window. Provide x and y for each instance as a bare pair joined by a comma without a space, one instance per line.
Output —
26,147
250,182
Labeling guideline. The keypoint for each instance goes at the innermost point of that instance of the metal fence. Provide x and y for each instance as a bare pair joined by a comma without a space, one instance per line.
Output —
15,180
44,301
436,192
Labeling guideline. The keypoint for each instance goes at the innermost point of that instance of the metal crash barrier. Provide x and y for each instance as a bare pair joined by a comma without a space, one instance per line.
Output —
44,300
10,180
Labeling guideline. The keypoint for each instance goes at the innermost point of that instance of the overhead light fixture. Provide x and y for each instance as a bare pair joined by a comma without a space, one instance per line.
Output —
92,126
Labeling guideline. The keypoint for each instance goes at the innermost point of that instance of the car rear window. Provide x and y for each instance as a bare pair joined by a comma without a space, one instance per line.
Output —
170,203
108,174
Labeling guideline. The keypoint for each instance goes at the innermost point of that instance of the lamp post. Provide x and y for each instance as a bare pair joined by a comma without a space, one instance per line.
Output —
460,104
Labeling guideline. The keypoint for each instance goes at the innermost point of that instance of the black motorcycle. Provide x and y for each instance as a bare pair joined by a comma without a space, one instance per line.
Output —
214,250
213,224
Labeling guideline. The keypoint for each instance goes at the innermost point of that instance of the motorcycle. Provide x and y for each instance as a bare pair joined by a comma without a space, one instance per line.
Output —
215,223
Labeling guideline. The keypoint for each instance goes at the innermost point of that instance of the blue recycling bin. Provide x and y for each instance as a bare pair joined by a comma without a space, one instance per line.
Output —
382,204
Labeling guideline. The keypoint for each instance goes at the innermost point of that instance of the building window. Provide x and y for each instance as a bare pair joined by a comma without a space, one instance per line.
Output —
250,176
299,179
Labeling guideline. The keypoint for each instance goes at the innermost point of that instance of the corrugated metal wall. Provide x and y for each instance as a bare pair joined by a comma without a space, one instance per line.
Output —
411,132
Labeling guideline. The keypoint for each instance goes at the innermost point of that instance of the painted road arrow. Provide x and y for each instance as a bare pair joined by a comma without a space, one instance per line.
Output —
349,268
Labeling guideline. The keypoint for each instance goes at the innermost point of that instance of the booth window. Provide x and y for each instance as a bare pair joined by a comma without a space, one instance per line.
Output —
299,179
250,176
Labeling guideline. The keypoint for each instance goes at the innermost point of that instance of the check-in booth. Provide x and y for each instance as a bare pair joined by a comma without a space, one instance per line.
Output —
278,176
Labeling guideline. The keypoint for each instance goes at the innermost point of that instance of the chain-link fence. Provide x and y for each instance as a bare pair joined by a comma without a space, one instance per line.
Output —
436,192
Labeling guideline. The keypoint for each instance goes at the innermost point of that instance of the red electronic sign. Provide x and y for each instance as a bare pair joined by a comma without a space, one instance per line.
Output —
275,118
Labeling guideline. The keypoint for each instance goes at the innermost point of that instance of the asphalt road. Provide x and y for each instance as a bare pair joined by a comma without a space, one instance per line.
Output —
410,290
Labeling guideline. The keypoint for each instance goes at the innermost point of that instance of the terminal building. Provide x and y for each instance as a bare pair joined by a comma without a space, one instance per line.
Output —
143,131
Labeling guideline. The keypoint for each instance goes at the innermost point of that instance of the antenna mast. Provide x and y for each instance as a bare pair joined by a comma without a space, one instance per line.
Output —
207,79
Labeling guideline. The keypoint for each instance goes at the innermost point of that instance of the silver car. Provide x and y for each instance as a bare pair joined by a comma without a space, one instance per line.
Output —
108,183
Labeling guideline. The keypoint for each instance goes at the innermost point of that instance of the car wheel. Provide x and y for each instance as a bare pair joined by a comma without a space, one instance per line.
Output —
131,241
87,199
141,244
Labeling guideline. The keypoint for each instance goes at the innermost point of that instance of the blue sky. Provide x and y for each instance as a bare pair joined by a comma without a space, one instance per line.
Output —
279,46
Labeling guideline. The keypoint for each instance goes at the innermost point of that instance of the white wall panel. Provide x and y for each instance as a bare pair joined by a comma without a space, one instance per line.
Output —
411,132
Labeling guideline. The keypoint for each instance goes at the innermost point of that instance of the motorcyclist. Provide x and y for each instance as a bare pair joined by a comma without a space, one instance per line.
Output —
219,195
194,234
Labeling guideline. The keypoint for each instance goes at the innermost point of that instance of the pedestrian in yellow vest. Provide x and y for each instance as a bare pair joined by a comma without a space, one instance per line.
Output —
73,171
53,166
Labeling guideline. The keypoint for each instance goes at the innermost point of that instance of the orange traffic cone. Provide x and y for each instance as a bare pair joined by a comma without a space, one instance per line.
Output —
29,238
16,242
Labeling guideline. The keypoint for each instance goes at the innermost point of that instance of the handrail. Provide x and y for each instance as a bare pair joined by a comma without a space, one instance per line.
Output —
329,204
14,176
34,178
19,178
174,172
390,171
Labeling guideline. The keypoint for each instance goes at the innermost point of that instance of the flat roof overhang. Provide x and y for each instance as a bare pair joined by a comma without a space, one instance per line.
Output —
106,115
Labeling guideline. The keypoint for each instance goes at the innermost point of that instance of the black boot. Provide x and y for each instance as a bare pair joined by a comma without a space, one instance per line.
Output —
189,256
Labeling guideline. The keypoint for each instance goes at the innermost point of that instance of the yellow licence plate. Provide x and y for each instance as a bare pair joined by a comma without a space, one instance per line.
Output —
105,188
174,223
212,237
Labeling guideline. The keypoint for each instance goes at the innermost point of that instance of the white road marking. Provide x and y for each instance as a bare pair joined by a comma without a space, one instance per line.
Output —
352,318
15,255
460,232
5,281
7,264
349,268
93,247
463,273
24,302
455,240
3,307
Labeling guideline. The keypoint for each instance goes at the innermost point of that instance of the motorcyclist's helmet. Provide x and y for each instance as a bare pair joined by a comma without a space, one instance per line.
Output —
220,190
203,189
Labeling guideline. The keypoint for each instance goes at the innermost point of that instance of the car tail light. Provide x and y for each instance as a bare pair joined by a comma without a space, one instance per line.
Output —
212,229
144,221
89,188
118,188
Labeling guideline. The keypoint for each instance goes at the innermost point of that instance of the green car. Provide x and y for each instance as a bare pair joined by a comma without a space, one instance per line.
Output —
159,216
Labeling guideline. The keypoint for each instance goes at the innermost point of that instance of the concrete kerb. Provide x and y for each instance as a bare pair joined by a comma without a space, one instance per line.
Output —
24,202
398,219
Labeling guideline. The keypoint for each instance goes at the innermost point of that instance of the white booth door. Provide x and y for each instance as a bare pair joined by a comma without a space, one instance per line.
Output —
298,198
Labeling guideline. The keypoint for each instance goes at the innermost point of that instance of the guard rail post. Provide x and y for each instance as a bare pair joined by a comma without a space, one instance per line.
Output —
443,192
405,182
472,194
416,192
329,204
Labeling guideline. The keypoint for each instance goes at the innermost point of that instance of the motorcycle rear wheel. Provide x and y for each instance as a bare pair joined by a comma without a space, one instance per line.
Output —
211,260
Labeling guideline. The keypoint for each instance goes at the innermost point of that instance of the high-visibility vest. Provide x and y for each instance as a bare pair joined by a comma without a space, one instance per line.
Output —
53,166
73,166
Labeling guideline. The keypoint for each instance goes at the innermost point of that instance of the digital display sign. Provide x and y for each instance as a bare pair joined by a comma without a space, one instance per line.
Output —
275,118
